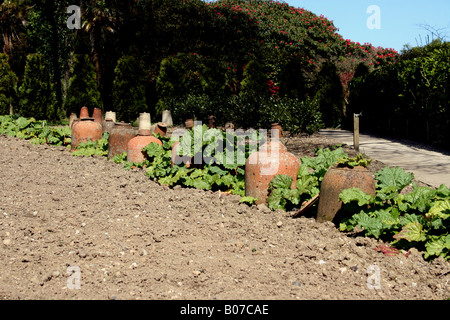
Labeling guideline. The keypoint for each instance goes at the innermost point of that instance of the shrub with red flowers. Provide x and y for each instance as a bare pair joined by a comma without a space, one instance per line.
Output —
272,88
221,38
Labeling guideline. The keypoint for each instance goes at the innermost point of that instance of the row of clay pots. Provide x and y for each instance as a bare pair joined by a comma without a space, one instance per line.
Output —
120,134
126,138
261,167
273,159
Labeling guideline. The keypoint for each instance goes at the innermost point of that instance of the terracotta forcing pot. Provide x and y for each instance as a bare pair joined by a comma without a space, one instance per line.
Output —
145,124
74,122
135,146
120,135
107,125
334,182
230,126
144,138
262,166
85,130
161,128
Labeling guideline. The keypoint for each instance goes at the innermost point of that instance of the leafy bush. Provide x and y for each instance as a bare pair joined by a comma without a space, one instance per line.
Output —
170,84
192,106
37,97
254,82
409,99
82,90
8,85
128,90
330,95
294,115
293,82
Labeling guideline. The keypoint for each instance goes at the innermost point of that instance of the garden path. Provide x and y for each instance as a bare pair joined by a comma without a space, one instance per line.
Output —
429,166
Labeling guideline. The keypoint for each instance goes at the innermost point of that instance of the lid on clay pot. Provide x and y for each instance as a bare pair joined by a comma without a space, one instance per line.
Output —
84,112
144,124
122,123
110,116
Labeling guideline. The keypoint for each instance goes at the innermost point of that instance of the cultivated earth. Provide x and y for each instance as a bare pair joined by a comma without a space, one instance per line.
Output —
130,238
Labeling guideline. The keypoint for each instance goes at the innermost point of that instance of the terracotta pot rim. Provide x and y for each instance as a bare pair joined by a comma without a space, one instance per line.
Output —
356,168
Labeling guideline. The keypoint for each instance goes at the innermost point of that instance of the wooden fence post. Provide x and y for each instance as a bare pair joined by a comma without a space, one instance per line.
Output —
356,132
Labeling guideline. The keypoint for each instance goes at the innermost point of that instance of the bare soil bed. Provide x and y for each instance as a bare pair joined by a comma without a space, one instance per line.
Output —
131,238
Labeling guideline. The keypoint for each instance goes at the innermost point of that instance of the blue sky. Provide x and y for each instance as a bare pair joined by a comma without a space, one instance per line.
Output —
400,20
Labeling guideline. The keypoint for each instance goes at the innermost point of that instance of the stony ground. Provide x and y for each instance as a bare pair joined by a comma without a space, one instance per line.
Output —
130,238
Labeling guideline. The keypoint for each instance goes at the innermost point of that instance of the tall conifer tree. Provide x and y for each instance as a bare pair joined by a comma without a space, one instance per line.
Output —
128,90
82,91
37,97
8,85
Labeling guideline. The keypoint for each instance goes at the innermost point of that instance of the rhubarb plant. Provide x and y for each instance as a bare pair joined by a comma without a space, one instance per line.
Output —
93,148
309,178
37,132
216,170
420,218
